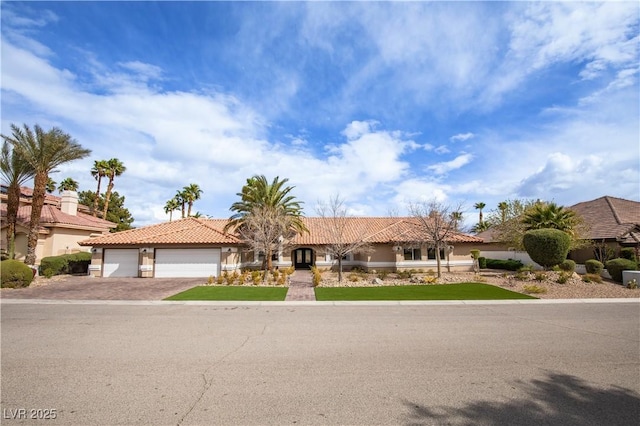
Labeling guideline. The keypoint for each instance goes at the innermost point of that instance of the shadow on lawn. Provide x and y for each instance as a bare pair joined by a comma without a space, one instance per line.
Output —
559,399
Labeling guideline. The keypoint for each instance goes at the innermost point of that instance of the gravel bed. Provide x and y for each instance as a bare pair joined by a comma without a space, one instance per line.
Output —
574,288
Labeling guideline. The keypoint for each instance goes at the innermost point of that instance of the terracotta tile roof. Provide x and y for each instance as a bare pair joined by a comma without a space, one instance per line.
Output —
611,218
52,216
183,231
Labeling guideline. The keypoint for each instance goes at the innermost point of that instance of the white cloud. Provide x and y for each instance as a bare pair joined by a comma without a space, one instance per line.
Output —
355,129
442,149
461,137
447,166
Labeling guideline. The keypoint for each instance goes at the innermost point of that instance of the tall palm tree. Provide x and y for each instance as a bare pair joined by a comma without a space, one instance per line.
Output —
479,206
98,171
172,204
50,186
550,215
68,184
44,151
456,218
114,168
191,193
15,172
503,207
180,197
260,200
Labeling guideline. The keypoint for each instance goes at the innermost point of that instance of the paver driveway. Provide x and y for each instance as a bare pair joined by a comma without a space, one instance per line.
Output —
87,288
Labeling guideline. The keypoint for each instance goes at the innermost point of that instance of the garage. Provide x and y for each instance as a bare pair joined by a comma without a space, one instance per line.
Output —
182,263
120,263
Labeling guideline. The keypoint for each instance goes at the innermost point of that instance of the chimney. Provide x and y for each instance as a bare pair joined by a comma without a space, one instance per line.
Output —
69,204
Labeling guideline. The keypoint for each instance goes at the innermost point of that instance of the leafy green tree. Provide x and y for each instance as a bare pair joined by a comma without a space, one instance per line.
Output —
266,204
190,194
44,151
15,172
98,171
116,213
114,168
68,184
507,222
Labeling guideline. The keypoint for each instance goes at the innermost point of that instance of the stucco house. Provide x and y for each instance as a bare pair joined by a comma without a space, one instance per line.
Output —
196,247
612,222
63,224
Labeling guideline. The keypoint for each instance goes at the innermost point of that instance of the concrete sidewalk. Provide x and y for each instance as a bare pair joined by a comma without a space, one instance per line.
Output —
301,287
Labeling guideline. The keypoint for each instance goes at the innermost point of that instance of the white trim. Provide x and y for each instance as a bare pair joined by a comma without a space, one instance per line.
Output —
95,267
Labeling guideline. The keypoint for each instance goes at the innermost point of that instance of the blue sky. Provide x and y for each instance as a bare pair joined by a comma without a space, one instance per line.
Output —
383,104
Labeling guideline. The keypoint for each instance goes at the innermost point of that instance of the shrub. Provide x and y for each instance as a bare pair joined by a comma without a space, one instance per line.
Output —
508,265
616,266
15,274
592,278
593,266
526,268
482,262
404,275
353,277
56,264
75,263
534,289
563,277
317,276
628,253
547,247
568,266
632,284
382,274
540,276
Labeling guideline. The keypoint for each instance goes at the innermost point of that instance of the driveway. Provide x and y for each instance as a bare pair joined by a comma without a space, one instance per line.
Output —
88,288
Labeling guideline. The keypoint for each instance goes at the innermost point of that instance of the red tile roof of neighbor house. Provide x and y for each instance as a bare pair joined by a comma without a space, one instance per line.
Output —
611,218
52,216
210,231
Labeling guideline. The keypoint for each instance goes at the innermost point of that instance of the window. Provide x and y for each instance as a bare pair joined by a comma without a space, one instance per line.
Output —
431,253
412,254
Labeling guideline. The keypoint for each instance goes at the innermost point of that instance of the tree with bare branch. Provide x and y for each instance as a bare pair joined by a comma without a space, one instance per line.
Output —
344,238
436,223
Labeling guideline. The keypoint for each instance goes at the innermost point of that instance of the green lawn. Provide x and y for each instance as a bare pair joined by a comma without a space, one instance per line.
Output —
232,293
462,291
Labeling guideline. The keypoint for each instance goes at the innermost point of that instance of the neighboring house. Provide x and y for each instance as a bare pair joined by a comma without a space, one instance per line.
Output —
63,223
195,247
613,223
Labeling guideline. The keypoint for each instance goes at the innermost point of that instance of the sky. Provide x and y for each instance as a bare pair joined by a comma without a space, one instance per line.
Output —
382,104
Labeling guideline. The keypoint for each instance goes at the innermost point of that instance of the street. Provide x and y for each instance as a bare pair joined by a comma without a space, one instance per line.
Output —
180,364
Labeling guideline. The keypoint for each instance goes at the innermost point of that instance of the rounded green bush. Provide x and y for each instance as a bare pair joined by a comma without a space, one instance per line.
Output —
594,266
15,274
628,253
547,247
568,266
616,266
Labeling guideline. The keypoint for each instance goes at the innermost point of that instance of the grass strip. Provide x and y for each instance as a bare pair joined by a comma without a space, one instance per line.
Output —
232,293
462,291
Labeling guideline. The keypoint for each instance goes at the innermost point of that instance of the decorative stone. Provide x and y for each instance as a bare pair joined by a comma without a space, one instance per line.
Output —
376,281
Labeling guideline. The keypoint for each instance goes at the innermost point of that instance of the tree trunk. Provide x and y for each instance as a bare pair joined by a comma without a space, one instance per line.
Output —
107,197
37,201
13,204
95,201
438,260
339,269
189,210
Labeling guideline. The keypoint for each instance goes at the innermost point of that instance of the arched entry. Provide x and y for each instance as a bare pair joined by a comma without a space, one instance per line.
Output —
303,258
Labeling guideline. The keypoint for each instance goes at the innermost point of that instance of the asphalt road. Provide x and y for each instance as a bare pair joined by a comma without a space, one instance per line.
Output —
564,364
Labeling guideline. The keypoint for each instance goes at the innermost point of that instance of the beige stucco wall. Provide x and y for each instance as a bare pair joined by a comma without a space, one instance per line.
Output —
65,241
95,268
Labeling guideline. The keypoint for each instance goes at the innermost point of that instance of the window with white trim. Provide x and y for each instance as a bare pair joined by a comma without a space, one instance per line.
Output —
412,254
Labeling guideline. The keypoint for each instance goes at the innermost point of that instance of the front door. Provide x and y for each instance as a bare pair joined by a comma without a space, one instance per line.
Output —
303,258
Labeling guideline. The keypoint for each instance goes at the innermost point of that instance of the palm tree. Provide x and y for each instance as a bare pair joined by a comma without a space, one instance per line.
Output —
480,206
98,171
114,168
68,184
15,172
44,151
190,194
271,201
50,186
503,207
172,204
180,197
456,218
550,215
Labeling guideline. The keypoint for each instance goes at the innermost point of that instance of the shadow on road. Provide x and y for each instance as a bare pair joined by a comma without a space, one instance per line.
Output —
559,399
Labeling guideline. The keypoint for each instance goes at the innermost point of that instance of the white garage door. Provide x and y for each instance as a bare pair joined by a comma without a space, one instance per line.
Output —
120,263
178,263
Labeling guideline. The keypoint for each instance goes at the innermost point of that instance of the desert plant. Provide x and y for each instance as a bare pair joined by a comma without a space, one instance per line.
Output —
317,276
521,275
547,247
568,266
540,276
594,266
526,268
563,277
429,279
219,279
353,277
15,274
404,275
382,274
592,278
632,284
210,280
616,266
534,289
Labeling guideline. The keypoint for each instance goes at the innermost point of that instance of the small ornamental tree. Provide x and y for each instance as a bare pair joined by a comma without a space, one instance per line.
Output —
547,247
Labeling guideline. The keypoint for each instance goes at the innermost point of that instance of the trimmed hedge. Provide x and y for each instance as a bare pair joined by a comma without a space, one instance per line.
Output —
76,263
547,247
568,266
15,274
594,266
509,265
616,266
482,262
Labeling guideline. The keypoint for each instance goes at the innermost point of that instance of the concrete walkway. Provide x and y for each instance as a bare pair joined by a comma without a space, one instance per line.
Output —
301,287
